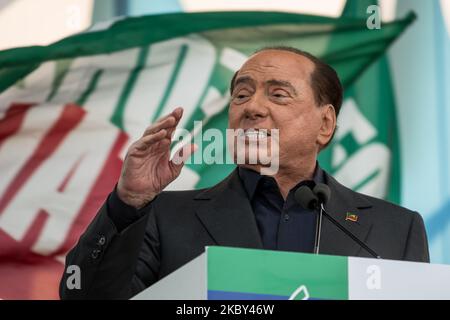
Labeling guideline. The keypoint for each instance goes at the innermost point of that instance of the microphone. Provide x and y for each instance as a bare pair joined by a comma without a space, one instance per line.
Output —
314,198
323,192
306,198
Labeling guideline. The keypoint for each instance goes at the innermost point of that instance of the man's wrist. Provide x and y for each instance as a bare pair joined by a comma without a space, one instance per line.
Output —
123,214
133,200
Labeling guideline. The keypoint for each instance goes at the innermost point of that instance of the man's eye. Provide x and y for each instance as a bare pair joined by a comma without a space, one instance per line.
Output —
241,96
280,95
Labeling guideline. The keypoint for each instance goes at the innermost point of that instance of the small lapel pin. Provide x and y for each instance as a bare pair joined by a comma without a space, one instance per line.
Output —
351,217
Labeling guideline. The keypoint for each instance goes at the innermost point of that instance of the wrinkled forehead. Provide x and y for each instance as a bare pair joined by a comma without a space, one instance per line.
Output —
277,64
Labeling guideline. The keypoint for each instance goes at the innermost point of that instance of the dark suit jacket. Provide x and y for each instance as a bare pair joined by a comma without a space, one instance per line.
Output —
180,224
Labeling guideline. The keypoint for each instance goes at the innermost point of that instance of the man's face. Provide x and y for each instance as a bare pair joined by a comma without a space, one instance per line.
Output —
273,91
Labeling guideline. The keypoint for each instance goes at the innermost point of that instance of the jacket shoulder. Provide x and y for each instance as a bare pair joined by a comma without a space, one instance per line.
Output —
386,211
380,206
397,216
387,205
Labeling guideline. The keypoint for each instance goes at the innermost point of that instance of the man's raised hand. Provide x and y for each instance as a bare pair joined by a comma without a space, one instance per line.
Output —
147,168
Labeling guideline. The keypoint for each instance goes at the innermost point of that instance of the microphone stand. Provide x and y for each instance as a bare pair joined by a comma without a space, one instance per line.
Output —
322,212
318,230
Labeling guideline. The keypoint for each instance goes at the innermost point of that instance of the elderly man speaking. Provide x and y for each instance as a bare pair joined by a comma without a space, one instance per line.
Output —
143,233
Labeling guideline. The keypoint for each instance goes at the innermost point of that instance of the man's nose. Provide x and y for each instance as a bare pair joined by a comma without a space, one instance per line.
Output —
255,109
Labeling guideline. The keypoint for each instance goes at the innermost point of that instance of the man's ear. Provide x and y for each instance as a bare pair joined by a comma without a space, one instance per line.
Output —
328,125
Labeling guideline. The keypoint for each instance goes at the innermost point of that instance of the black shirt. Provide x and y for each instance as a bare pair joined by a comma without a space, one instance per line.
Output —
283,225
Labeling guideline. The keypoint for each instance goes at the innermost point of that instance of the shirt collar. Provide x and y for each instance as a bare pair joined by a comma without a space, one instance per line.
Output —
251,179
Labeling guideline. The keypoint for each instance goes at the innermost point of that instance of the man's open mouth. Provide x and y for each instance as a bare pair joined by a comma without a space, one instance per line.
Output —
254,133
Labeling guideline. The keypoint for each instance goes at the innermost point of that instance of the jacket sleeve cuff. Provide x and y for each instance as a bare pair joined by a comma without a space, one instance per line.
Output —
122,214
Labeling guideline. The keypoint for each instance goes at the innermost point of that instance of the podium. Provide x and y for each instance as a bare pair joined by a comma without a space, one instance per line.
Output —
224,273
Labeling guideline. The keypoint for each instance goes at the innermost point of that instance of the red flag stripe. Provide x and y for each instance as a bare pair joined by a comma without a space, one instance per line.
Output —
13,119
69,118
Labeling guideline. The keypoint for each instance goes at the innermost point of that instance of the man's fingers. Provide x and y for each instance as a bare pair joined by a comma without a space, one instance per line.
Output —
165,124
177,113
183,154
168,121
148,140
170,132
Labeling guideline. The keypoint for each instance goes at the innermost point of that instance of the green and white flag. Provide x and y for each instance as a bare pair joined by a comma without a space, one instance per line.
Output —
364,154
68,112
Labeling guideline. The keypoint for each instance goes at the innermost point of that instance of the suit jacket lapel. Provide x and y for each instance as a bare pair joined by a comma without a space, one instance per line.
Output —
343,201
226,213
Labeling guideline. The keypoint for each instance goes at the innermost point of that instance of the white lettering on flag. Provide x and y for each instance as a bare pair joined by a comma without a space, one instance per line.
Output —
60,184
